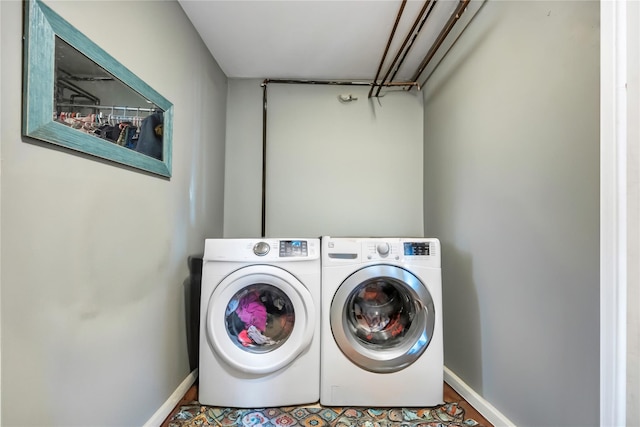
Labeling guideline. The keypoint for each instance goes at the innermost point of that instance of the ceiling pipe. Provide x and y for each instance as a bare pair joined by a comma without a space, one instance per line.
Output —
414,38
317,82
404,43
386,49
455,16
337,82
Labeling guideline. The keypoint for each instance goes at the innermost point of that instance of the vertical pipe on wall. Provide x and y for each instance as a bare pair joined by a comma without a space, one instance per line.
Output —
264,157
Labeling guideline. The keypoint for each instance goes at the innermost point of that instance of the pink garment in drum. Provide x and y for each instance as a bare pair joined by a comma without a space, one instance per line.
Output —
252,312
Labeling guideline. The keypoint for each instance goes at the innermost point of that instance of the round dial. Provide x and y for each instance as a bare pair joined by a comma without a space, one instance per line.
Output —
261,248
383,248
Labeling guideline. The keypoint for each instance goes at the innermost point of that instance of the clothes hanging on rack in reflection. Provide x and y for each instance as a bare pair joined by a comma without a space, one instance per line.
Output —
114,119
136,132
87,124
128,136
115,128
108,131
150,138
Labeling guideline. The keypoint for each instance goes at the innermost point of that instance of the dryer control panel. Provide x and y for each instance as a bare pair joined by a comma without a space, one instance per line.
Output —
285,248
262,250
293,248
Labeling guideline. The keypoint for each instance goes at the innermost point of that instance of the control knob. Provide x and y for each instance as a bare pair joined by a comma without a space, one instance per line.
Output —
383,249
261,248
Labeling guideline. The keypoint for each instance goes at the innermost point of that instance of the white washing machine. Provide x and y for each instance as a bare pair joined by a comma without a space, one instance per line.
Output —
260,322
381,322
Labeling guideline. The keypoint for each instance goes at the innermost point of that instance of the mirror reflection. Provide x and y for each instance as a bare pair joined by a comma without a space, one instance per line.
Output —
93,101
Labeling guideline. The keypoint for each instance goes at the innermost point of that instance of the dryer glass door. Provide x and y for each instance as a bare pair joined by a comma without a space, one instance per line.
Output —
259,319
382,318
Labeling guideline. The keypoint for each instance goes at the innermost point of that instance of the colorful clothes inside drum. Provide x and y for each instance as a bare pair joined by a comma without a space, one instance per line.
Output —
259,318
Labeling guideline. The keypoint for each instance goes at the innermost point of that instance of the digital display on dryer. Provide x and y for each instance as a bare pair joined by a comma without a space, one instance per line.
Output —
416,248
293,248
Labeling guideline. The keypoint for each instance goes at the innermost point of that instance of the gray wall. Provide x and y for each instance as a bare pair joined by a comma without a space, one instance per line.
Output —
512,190
243,184
332,168
343,169
93,254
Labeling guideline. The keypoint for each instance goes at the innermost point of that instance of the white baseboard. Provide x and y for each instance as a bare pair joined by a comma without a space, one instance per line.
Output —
163,412
487,410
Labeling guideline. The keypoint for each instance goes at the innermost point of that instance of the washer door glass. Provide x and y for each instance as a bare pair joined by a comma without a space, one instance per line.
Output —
382,318
259,319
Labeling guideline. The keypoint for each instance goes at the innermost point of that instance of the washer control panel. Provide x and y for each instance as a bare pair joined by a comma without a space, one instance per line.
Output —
417,249
381,250
390,250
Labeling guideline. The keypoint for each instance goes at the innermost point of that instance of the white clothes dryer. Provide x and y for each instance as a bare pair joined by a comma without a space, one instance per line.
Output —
381,322
260,322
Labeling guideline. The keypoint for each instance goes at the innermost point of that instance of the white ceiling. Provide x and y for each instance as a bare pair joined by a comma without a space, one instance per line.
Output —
312,39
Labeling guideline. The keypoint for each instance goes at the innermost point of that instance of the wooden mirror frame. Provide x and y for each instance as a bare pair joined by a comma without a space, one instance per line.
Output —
41,26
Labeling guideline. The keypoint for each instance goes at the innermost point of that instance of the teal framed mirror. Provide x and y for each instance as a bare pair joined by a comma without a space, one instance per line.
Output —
77,96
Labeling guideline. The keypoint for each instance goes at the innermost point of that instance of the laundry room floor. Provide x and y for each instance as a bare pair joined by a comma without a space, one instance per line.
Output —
450,396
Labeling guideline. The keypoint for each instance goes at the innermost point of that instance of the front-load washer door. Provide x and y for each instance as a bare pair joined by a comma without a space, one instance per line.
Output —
259,319
382,318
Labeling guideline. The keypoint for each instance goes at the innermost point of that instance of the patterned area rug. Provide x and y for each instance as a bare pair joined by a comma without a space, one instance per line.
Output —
196,415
